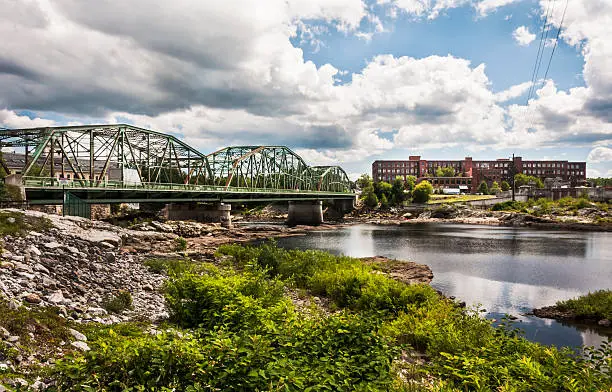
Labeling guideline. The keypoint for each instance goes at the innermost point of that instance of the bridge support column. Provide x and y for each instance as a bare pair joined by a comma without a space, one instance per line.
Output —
339,207
16,180
218,213
305,213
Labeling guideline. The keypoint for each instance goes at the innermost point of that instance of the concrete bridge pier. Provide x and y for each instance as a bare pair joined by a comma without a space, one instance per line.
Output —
305,213
218,213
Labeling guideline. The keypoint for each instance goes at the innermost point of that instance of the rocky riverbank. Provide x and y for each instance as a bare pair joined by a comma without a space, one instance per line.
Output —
586,219
592,308
58,275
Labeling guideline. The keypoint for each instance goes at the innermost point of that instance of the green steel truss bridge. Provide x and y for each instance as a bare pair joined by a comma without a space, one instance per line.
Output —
123,163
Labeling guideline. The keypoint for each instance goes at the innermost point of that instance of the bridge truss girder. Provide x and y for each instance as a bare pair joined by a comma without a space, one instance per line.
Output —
91,152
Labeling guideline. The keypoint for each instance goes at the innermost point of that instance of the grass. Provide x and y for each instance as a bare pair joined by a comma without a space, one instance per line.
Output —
167,266
438,199
596,305
17,223
118,302
40,330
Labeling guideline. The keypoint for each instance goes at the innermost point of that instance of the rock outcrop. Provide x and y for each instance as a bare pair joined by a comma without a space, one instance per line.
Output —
78,265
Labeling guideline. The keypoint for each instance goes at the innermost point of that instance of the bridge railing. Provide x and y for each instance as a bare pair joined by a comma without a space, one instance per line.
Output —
51,182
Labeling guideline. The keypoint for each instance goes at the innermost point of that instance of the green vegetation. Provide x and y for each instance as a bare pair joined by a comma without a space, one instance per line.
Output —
495,189
422,192
387,194
445,172
234,328
41,332
368,195
397,191
9,192
444,199
600,181
167,266
483,188
523,179
180,244
596,305
410,183
544,206
17,223
120,301
505,186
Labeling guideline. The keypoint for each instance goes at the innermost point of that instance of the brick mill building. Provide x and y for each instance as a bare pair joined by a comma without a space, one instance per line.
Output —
470,173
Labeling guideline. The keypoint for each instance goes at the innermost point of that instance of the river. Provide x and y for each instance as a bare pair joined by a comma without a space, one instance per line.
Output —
505,270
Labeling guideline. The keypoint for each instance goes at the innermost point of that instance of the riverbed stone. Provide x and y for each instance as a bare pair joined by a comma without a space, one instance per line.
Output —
33,298
80,345
77,335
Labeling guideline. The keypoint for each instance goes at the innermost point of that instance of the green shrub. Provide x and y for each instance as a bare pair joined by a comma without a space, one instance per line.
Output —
168,266
483,188
225,298
347,281
508,206
117,303
337,353
597,305
422,191
180,244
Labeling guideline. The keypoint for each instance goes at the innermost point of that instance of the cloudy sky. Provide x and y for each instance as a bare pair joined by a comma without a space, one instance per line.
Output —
339,81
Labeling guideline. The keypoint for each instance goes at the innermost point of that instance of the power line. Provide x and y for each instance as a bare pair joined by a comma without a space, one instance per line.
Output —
556,40
540,54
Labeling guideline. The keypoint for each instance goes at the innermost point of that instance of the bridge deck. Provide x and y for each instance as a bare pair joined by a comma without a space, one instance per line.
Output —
49,191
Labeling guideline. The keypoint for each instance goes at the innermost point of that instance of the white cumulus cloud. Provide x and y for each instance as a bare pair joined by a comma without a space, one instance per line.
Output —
600,154
523,36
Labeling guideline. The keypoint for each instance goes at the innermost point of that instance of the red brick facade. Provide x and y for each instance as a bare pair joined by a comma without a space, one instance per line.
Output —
472,173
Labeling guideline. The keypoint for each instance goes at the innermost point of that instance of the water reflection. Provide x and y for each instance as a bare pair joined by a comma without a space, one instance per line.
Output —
506,270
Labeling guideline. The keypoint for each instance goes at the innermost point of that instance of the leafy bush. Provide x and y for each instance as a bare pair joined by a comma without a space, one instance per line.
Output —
120,301
180,244
168,266
225,298
483,188
422,192
340,353
597,305
347,281
508,206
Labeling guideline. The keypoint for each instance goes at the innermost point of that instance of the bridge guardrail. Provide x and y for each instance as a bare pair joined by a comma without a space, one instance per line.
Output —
50,182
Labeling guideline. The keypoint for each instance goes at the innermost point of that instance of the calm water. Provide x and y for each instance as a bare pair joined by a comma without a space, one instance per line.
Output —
505,270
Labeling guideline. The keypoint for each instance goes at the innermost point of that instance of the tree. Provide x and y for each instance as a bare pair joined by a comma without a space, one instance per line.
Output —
483,188
495,189
383,188
422,192
364,181
384,203
397,191
523,179
600,181
369,197
410,182
445,172
505,186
